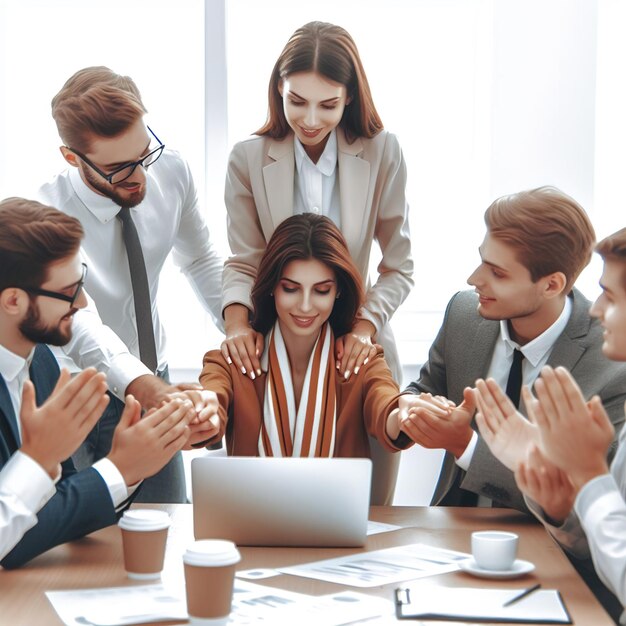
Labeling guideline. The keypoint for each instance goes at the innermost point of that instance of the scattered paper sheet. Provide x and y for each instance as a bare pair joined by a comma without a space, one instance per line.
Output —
275,607
253,605
339,609
117,605
381,567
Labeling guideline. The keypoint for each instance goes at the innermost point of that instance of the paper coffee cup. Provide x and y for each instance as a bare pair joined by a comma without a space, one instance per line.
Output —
144,534
209,576
494,550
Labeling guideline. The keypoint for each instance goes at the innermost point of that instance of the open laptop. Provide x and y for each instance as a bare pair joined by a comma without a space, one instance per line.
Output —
281,501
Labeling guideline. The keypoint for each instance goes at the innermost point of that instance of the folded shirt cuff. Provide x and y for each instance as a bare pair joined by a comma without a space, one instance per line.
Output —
596,499
114,480
466,458
124,368
28,481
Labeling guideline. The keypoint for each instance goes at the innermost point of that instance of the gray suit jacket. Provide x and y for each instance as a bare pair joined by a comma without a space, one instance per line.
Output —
462,353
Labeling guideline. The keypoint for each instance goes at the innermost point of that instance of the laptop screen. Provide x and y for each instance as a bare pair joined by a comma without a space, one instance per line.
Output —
281,501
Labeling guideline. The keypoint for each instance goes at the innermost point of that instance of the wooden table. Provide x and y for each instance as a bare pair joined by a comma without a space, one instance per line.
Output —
96,561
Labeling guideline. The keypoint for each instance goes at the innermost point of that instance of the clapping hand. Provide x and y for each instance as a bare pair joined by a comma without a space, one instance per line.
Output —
507,433
546,484
54,430
575,435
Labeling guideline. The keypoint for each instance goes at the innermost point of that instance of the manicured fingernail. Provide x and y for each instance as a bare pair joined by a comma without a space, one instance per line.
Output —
337,365
347,374
259,372
366,361
356,369
229,361
252,375
243,369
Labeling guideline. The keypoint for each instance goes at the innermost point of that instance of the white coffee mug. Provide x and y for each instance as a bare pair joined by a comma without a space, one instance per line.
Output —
494,549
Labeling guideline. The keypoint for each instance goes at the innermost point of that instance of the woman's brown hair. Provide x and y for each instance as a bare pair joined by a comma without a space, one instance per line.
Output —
303,237
330,51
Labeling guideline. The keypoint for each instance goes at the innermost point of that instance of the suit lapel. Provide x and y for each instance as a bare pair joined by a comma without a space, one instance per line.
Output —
479,358
43,373
7,415
278,177
354,183
569,347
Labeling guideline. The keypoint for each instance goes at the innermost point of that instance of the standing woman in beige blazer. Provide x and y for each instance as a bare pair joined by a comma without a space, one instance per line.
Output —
322,150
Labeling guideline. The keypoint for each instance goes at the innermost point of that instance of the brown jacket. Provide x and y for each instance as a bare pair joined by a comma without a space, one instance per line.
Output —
363,404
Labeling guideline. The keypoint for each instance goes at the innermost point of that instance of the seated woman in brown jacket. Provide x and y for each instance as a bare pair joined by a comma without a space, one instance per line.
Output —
307,293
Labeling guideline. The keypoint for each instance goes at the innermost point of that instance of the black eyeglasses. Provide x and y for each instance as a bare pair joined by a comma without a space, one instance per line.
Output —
61,296
126,171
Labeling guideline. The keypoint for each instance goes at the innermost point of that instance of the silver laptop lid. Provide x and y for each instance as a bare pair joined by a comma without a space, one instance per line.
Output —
281,501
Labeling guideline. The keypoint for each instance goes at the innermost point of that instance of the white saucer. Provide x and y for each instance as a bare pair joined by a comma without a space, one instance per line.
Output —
519,569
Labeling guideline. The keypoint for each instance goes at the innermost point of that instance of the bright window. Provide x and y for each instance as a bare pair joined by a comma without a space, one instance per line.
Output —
486,98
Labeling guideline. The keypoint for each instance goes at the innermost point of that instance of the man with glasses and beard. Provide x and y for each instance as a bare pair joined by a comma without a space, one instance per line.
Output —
44,413
137,203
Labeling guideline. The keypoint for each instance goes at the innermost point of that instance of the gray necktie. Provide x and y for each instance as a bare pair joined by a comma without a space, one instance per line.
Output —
141,291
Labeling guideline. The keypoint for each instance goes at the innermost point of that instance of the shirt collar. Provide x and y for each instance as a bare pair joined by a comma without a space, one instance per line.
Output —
326,163
12,365
103,208
536,349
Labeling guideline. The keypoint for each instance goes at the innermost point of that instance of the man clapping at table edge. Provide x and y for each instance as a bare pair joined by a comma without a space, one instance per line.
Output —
41,279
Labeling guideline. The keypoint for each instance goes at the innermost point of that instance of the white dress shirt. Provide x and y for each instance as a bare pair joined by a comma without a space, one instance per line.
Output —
601,508
168,220
536,354
24,488
597,524
316,185
14,370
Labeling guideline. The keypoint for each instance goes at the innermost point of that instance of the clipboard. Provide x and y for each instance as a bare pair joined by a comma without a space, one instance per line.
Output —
468,604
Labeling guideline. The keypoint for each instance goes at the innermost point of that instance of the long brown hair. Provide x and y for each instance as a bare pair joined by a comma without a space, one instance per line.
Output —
549,231
303,237
330,51
33,237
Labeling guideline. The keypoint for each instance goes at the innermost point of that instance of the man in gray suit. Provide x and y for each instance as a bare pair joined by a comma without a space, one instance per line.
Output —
536,245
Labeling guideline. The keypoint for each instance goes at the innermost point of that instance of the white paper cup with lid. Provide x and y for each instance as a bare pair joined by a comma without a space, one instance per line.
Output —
209,578
144,535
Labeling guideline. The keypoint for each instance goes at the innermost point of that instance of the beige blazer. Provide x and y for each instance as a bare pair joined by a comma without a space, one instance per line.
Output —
372,178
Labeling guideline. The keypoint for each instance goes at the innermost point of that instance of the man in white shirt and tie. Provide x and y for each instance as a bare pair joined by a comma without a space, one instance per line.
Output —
133,218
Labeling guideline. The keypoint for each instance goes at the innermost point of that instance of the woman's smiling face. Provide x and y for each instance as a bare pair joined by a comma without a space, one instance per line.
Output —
304,297
313,107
